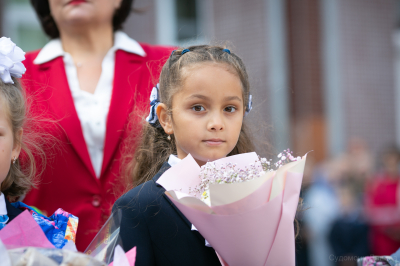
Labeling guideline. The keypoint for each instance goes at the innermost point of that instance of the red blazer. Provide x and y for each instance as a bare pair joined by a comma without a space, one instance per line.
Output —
69,180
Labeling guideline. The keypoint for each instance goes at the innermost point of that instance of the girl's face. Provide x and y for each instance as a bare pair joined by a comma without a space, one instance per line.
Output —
207,113
81,12
9,149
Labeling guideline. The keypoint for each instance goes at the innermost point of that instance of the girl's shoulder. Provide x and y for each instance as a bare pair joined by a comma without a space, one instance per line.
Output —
141,195
146,194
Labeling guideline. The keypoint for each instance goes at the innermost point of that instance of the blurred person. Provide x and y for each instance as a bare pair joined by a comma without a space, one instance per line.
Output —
322,209
89,77
358,166
348,236
359,158
382,207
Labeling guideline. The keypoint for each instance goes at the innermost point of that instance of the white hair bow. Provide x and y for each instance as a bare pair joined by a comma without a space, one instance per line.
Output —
10,60
154,102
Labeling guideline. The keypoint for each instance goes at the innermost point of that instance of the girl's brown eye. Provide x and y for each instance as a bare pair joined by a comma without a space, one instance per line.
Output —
198,108
230,109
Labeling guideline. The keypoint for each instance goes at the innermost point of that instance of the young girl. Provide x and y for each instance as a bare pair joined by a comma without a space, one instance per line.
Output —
197,109
21,150
15,180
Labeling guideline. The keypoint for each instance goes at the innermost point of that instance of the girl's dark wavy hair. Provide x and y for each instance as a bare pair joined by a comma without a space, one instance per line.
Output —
49,26
144,160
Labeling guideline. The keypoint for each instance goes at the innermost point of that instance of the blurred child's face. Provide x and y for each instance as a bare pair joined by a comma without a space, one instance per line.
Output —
82,12
207,113
391,163
8,148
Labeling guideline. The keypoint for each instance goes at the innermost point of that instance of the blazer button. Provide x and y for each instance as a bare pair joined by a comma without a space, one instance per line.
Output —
96,201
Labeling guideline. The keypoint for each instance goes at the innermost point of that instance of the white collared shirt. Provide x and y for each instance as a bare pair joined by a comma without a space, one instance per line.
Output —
3,207
92,109
173,160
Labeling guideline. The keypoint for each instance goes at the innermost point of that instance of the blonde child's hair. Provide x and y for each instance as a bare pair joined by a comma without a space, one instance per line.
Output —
144,160
22,173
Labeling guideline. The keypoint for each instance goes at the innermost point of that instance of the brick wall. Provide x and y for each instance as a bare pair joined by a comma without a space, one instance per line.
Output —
141,24
243,25
366,28
306,94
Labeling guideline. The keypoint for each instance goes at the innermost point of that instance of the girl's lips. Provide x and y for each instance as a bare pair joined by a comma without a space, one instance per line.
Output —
76,2
214,142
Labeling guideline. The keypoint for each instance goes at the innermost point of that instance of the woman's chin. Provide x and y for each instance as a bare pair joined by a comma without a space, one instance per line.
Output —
78,21
75,16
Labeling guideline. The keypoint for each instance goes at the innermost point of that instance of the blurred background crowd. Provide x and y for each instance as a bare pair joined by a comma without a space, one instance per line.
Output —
325,78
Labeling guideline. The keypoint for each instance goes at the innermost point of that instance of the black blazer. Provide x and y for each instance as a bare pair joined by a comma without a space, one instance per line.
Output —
12,212
161,233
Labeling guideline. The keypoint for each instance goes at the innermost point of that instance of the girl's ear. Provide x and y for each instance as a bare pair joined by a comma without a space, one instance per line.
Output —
17,144
164,118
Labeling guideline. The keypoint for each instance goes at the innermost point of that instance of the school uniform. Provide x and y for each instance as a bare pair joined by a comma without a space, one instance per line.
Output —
160,232
12,212
7,209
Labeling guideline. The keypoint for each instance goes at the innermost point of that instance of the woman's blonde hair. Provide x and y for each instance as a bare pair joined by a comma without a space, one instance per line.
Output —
143,161
22,173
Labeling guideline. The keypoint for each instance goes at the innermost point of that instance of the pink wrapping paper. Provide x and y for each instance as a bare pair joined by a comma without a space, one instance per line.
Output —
230,235
171,179
128,258
285,234
256,228
23,231
256,199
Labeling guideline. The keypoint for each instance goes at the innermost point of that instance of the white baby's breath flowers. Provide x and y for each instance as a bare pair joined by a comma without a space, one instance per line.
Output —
11,57
210,173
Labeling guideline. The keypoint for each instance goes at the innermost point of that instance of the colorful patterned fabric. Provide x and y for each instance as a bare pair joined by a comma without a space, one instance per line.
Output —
58,228
3,220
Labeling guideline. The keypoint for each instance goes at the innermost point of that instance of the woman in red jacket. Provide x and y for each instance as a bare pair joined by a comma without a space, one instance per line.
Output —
88,78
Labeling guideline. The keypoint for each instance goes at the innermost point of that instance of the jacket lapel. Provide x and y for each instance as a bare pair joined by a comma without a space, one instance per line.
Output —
164,168
127,77
63,107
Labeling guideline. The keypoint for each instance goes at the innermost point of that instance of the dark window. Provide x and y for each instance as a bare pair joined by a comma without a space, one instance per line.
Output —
187,19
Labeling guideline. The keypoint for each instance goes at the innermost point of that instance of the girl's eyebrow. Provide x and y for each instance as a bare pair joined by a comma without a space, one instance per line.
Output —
203,97
231,98
200,96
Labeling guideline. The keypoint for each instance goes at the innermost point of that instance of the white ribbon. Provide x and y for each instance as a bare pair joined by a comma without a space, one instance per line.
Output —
11,57
249,105
154,102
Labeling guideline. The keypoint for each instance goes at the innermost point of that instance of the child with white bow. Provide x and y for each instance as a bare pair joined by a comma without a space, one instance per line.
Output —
15,180
21,149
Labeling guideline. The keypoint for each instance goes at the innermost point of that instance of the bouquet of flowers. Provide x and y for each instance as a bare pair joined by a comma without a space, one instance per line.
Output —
30,256
242,206
23,242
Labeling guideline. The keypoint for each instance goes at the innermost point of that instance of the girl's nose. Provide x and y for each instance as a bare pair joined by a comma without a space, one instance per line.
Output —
216,123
